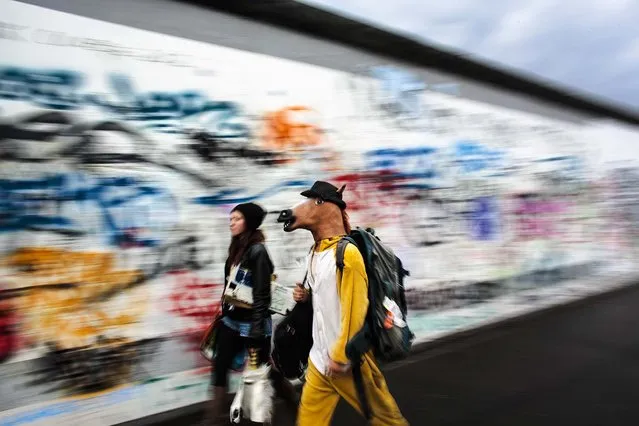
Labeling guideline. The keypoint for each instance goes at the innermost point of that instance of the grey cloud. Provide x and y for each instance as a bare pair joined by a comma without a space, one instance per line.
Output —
590,46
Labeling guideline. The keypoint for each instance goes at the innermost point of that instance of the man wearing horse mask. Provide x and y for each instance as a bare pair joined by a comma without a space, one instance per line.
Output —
340,303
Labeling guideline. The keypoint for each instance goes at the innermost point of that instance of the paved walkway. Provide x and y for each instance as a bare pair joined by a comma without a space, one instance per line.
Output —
573,366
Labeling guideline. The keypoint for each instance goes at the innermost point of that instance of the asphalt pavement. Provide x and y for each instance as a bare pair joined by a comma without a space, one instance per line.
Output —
573,366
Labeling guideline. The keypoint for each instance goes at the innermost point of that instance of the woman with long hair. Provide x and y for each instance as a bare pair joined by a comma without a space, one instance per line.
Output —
246,320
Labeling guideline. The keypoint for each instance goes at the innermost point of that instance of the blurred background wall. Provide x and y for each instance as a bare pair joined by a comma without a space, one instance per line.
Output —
129,130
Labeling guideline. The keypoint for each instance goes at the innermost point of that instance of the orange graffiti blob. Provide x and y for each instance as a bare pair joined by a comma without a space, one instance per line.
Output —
283,131
70,298
93,271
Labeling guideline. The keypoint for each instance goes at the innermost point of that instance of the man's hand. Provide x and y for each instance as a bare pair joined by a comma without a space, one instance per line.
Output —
300,294
336,369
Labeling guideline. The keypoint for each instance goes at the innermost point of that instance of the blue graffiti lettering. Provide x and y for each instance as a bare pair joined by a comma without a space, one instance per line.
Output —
168,112
120,208
484,218
57,89
41,414
401,92
414,163
473,157
61,408
235,196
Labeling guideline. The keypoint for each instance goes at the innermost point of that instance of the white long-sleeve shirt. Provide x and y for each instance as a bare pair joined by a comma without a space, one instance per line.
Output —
322,279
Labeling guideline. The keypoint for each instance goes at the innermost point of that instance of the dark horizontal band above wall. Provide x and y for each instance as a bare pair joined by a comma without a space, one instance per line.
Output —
309,20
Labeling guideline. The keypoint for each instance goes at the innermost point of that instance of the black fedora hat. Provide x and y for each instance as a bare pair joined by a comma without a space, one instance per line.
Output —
326,192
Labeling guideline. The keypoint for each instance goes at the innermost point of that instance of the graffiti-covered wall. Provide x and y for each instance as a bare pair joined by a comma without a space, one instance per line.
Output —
122,152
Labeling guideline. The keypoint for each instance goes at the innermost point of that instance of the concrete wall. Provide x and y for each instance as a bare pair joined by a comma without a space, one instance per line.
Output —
196,23
125,142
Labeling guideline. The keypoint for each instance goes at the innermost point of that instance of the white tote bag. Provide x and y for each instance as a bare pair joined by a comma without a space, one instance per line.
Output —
254,397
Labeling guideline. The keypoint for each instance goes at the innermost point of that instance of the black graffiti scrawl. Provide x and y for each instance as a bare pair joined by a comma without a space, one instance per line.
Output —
105,365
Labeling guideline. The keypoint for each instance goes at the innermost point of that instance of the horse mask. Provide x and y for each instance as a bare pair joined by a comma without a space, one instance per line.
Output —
323,206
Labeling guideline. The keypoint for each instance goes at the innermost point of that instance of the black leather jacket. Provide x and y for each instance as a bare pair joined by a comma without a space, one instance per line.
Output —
257,260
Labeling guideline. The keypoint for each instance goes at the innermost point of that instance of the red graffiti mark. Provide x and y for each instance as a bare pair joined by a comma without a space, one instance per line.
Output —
372,194
538,218
195,299
8,332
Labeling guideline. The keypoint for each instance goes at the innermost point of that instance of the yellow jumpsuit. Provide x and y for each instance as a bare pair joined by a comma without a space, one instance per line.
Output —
321,393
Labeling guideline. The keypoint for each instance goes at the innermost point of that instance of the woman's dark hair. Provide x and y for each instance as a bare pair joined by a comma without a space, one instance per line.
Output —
241,243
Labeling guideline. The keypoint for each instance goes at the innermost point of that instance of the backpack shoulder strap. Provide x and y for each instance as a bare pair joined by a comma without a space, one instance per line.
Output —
341,249
357,373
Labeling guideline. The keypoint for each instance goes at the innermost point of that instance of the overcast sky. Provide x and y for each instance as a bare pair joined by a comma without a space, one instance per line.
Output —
589,45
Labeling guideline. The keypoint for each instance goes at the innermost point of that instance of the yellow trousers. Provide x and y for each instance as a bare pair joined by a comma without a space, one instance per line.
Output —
321,394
